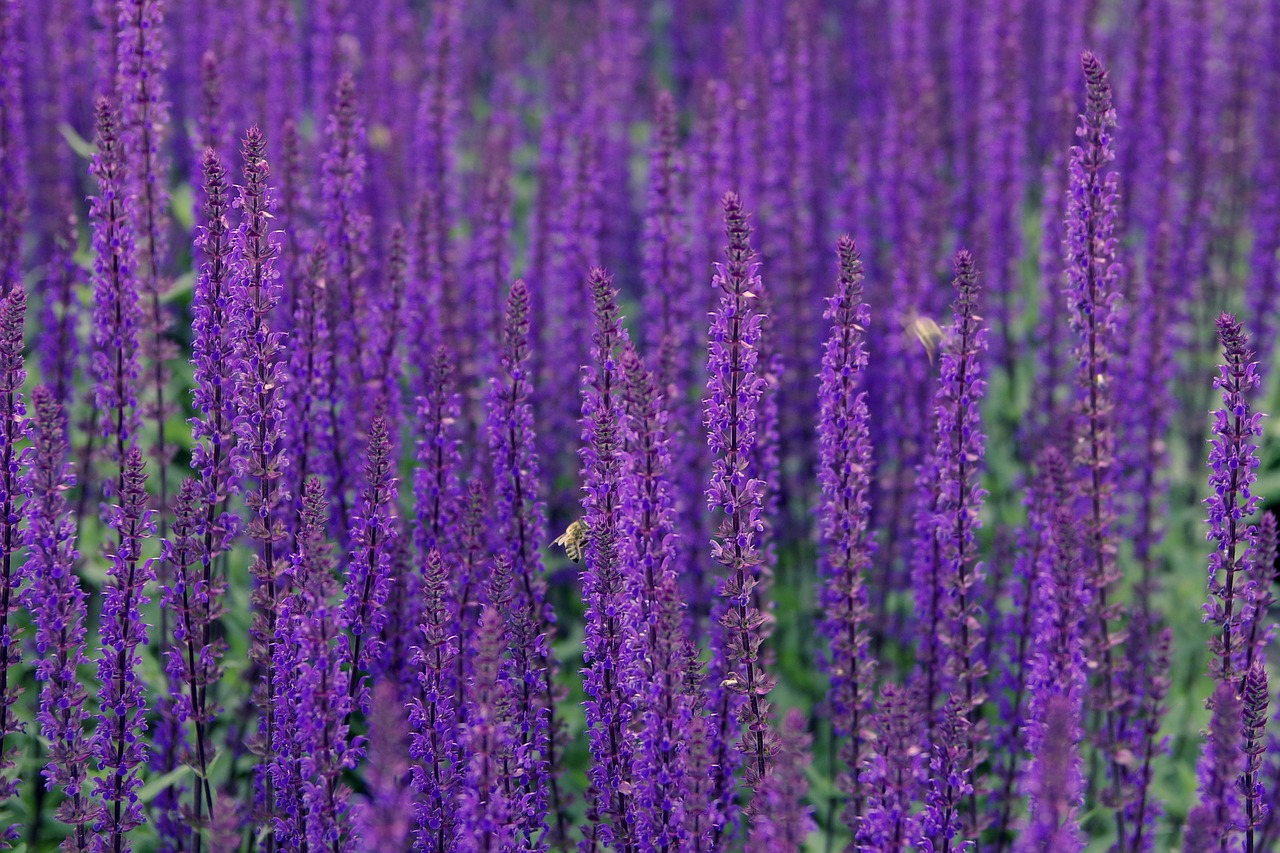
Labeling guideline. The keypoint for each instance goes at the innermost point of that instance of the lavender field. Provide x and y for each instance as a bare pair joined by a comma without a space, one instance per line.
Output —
488,426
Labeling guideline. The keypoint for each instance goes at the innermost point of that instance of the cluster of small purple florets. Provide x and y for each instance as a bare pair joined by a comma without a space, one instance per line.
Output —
859,558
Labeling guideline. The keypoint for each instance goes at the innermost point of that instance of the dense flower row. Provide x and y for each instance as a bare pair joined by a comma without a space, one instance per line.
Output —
850,558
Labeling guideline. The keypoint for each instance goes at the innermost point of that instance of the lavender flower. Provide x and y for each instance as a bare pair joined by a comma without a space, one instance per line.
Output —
942,825
1211,823
1233,460
118,744
13,186
310,388
369,575
59,611
1093,277
1255,724
145,115
259,428
735,390
661,762
1054,780
844,472
434,713
319,689
487,817
13,430
893,774
609,678
116,313
520,523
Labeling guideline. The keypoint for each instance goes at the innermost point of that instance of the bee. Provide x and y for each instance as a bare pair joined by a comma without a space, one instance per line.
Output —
926,331
574,539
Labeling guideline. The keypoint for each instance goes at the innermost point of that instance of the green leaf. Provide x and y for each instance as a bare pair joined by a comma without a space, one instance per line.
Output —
153,788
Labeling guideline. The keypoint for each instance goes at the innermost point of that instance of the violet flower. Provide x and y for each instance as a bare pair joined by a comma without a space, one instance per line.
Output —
950,769
487,817
144,117
1210,825
609,677
58,611
14,430
1233,460
519,523
1092,292
116,312
735,390
959,454
1054,780
893,773
119,745
1255,726
668,707
259,428
368,581
846,546
13,178
434,713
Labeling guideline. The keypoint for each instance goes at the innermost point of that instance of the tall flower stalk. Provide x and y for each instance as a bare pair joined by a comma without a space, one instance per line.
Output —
844,473
59,611
13,431
608,673
118,743
520,523
259,431
734,393
1092,293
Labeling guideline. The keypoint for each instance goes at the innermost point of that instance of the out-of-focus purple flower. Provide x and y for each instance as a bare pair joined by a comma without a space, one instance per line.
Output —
609,676
259,429
1211,824
14,429
13,156
310,389
487,812
893,773
59,610
59,345
346,231
368,580
119,743
144,113
384,817
786,820
844,473
734,392
434,713
116,313
1092,293
1056,682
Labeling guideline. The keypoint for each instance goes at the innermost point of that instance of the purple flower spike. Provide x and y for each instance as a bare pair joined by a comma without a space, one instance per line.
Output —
116,313
1211,823
59,610
13,179
893,773
369,574
844,472
1255,725
118,742
13,431
520,523
1233,460
734,393
1092,293
433,713
609,678
259,428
